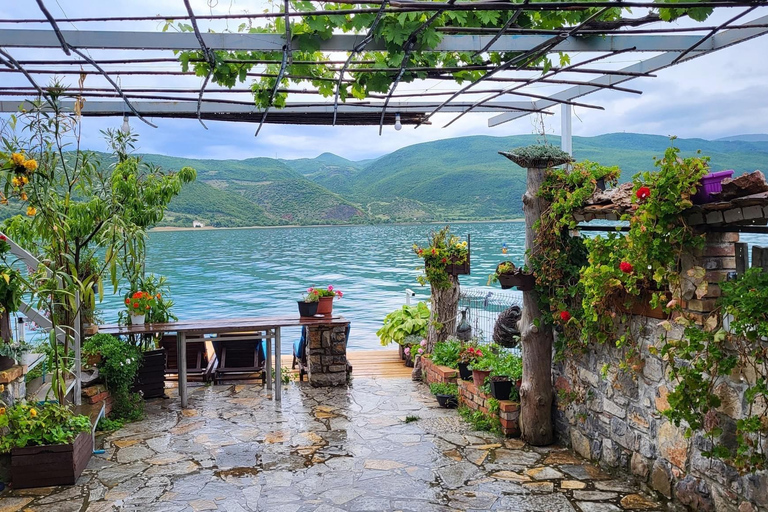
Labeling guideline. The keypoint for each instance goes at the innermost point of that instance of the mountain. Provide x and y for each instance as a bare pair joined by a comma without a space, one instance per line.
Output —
755,137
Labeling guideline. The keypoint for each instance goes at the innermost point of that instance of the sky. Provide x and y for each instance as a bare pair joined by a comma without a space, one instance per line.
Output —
718,95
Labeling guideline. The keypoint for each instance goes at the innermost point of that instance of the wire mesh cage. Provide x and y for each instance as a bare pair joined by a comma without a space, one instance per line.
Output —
483,308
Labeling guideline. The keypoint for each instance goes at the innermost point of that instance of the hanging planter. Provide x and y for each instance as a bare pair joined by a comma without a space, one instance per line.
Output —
542,156
522,280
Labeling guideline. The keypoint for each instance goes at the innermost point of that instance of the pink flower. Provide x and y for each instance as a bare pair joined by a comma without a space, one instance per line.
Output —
407,351
479,354
421,350
330,288
310,290
423,343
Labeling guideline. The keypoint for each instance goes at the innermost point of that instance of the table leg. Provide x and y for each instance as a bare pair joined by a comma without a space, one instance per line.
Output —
278,367
181,349
269,362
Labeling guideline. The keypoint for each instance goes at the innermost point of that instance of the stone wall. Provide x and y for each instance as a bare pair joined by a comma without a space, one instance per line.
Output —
615,416
14,387
327,357
470,396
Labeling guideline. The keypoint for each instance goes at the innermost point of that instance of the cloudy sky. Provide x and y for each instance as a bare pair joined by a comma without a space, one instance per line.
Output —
721,94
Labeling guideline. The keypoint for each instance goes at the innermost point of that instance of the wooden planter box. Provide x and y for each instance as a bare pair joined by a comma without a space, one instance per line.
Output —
150,379
45,466
524,282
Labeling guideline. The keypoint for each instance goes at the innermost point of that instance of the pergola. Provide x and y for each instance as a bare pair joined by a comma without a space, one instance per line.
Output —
127,66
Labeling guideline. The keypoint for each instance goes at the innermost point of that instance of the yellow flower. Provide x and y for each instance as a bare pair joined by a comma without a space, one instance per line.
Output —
2,411
2,388
16,182
33,412
17,158
23,196
30,165
31,211
24,180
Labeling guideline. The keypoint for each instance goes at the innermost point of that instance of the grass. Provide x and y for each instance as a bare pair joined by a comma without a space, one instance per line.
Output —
411,418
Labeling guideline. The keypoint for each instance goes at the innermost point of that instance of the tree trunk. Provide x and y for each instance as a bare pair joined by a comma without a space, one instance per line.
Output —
536,388
5,327
442,320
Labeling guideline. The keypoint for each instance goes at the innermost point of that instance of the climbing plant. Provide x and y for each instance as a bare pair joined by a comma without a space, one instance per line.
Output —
400,32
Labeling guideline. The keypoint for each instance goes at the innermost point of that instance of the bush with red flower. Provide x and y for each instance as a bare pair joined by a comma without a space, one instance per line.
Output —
444,249
139,303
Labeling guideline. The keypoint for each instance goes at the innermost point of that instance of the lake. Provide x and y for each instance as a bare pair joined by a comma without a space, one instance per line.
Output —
262,272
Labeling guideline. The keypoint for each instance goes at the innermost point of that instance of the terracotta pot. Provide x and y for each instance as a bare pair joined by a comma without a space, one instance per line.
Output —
325,306
479,376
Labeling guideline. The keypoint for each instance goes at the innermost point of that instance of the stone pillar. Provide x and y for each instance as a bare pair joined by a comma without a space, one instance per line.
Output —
327,355
718,258
14,387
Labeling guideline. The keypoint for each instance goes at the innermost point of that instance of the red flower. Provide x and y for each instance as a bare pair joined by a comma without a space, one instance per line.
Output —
421,251
444,260
433,251
137,295
3,238
565,316
643,193
127,301
135,304
626,267
479,353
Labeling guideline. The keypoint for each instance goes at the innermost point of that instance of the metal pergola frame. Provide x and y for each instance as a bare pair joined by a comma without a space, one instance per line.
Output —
593,41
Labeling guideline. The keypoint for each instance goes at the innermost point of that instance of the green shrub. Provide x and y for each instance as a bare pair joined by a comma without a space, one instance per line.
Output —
480,420
35,425
119,365
442,388
406,321
508,365
446,353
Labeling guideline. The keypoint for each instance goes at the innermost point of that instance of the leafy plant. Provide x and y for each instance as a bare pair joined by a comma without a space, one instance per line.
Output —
310,296
330,291
139,303
286,375
406,321
411,418
480,420
470,353
119,365
444,249
508,365
37,425
446,353
443,388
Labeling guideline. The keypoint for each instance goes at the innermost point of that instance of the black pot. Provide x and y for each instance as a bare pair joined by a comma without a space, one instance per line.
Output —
501,389
307,308
6,362
150,379
448,401
464,371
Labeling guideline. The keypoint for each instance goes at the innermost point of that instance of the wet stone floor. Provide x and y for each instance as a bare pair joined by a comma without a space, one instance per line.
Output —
325,450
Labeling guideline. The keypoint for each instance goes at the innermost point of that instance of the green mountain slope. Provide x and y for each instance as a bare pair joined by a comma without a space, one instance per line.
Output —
328,170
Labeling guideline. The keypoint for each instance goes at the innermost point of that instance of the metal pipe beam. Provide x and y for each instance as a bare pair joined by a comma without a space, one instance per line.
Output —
716,42
123,40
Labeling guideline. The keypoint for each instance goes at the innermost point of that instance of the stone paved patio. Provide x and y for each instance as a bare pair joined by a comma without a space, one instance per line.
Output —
325,450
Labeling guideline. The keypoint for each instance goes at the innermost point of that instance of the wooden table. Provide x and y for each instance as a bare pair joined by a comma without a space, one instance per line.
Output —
269,325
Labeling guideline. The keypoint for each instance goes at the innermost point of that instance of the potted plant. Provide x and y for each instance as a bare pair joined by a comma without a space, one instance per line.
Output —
48,443
119,366
139,305
468,355
325,299
508,276
446,394
445,255
446,353
308,303
505,377
481,367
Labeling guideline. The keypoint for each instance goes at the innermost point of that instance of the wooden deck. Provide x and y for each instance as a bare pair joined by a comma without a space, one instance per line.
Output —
380,364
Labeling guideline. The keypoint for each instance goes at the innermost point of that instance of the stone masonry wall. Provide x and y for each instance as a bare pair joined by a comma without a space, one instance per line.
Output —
327,359
614,416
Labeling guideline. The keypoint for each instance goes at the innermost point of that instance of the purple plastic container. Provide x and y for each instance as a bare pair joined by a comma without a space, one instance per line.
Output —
712,183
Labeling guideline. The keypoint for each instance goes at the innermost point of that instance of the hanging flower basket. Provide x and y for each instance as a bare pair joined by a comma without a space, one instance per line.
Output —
538,156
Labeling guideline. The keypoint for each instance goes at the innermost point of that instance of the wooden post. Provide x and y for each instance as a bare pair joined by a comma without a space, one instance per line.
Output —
445,308
742,258
536,388
760,257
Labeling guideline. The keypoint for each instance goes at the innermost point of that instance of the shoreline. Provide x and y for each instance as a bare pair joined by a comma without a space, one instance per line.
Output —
292,226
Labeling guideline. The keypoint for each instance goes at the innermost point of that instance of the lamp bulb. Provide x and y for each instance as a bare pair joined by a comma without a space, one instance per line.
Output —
126,128
398,124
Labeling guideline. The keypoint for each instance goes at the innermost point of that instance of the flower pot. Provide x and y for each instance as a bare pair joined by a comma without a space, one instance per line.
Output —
401,351
479,376
710,184
464,372
600,183
325,306
90,329
137,319
63,463
447,401
524,282
409,362
307,309
501,389
6,362
150,379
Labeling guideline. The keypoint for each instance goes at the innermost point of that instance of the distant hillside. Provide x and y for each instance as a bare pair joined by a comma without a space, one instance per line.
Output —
755,137
453,179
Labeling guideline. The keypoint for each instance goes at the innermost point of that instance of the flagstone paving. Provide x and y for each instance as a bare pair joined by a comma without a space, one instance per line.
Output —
325,450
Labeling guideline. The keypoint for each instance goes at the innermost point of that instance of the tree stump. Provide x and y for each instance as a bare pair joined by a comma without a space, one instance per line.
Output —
445,306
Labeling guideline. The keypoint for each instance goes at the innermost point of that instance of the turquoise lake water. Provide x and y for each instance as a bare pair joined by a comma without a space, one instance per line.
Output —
261,272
